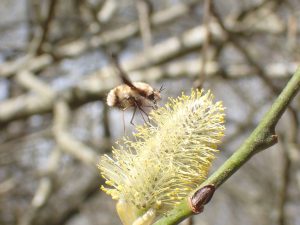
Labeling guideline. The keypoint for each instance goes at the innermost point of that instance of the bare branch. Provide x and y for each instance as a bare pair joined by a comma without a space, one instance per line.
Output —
46,26
29,81
206,21
66,142
144,12
27,62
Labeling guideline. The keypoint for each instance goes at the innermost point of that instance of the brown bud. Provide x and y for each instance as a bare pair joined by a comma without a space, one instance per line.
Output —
201,198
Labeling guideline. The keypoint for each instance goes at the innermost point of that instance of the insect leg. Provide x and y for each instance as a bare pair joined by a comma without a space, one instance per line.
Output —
154,106
134,110
123,118
142,114
149,106
140,108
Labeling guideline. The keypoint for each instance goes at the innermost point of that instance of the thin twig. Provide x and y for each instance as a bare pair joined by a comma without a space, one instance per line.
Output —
66,141
206,21
283,192
144,13
46,26
288,139
244,13
44,190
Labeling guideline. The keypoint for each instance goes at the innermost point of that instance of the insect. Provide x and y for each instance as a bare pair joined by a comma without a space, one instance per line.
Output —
132,94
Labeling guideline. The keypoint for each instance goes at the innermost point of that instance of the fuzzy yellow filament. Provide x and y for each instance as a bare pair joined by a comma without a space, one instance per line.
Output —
167,160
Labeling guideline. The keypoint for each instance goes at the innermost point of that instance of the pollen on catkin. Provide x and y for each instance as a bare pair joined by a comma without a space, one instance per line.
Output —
169,157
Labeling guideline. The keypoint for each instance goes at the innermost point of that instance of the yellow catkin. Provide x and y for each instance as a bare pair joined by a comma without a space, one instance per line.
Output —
169,157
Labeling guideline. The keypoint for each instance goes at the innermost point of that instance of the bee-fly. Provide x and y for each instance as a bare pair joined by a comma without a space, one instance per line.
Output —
132,94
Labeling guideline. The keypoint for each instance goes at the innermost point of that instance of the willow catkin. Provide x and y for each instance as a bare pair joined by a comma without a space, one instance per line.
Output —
169,157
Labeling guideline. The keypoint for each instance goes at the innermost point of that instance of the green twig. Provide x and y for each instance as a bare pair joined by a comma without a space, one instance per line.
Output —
261,138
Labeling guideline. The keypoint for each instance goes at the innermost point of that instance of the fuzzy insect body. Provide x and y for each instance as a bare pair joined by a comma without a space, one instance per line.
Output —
137,95
124,96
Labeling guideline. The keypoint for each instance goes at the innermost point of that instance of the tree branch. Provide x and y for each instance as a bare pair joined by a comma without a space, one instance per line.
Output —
206,44
66,141
144,13
261,138
46,26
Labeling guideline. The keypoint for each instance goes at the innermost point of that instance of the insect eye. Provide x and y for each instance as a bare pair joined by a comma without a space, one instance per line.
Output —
151,96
